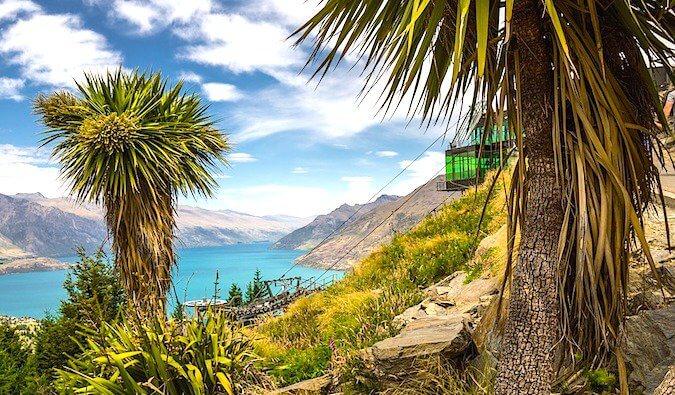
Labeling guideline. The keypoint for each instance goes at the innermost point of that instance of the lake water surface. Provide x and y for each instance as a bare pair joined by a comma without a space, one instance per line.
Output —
35,294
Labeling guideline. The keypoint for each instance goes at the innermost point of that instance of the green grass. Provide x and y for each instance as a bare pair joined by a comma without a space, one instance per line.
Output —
324,331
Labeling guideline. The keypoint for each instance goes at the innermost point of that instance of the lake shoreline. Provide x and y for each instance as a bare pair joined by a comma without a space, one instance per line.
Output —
35,293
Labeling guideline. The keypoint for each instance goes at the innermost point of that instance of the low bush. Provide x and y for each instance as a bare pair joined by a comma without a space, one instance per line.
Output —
202,355
18,372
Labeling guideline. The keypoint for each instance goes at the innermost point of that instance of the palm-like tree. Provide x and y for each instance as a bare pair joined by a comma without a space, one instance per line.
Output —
570,78
133,142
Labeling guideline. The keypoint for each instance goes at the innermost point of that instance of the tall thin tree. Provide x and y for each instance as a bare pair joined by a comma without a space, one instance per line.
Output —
132,142
571,80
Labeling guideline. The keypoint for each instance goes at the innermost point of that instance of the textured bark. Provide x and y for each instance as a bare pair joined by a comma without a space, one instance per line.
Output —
667,387
532,327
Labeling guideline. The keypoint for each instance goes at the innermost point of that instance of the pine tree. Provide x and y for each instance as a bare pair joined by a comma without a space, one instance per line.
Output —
255,288
235,297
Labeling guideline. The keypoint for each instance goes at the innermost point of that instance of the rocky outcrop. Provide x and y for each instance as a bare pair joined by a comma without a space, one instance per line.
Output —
30,265
650,347
441,326
447,337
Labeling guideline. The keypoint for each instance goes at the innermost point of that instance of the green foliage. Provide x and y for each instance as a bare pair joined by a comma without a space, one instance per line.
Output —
359,310
17,364
302,364
600,380
234,296
203,355
255,288
94,297
94,291
133,142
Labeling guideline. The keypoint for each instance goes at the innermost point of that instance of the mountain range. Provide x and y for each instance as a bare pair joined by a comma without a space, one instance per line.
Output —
33,225
373,228
311,235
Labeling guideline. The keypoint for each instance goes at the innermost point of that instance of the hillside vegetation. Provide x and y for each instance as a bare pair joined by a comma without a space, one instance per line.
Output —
324,332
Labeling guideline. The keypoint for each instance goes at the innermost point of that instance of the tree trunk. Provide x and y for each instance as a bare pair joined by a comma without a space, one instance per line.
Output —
532,327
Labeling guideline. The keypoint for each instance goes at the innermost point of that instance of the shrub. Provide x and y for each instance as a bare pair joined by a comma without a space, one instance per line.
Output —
601,380
17,364
94,296
202,355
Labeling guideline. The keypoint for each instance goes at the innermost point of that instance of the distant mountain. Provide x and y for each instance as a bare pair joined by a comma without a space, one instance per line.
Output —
32,225
45,230
199,227
364,235
311,235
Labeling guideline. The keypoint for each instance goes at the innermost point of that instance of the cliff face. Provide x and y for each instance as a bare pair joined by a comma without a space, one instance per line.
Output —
364,234
311,235
32,225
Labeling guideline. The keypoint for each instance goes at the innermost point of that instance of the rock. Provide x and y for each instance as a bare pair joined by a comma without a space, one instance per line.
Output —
447,337
487,336
667,386
645,293
319,385
650,346
452,297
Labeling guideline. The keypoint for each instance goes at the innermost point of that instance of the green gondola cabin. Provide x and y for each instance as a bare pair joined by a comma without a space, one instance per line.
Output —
469,161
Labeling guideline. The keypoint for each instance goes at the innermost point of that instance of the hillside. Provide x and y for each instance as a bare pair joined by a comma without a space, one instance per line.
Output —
363,235
311,235
32,225
46,231
325,332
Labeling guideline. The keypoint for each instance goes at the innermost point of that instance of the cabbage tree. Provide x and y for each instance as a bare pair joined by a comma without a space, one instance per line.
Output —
132,142
570,78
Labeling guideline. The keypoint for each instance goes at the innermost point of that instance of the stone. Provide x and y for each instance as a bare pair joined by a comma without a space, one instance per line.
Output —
446,337
650,347
319,385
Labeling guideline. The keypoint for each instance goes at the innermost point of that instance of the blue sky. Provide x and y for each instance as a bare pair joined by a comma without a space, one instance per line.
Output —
300,149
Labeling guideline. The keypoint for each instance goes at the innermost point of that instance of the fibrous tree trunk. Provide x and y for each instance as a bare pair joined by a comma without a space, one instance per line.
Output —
532,327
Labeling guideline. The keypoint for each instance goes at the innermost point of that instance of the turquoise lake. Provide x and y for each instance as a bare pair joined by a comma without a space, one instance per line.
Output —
35,294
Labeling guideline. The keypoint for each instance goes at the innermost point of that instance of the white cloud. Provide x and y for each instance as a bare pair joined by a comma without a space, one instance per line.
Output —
359,189
215,91
300,170
386,154
241,157
10,88
238,44
290,12
54,49
9,9
432,163
143,16
189,76
273,199
329,110
150,15
28,170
